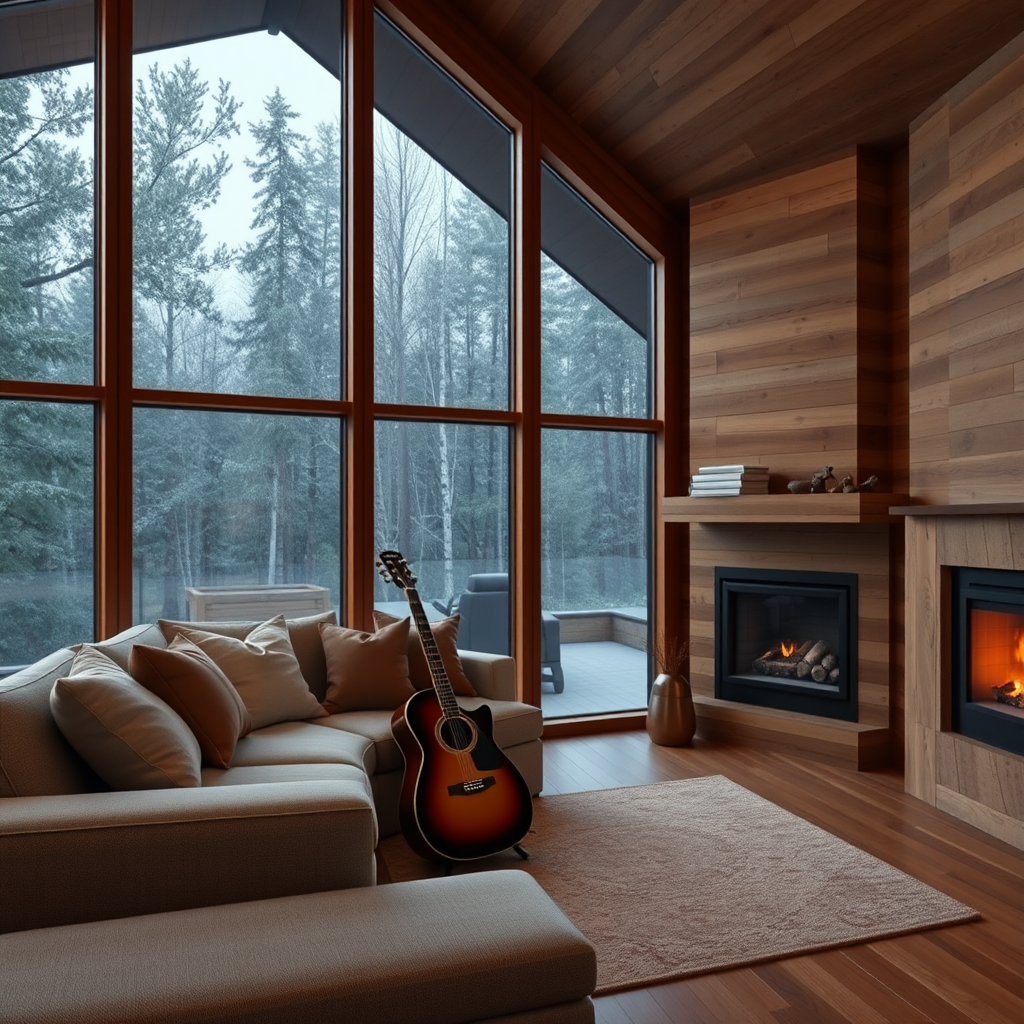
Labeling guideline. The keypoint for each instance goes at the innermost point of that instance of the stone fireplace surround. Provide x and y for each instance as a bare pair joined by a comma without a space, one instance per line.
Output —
970,780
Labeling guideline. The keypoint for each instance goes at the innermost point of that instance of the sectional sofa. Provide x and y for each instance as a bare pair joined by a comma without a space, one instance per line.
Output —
298,811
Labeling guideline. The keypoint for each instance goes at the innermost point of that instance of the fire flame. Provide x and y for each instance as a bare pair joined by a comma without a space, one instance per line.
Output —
1019,649
788,649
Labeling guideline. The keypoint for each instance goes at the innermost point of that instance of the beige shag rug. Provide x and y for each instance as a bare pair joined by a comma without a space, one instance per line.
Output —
680,878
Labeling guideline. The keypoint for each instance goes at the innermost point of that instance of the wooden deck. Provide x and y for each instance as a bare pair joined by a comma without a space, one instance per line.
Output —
968,973
600,677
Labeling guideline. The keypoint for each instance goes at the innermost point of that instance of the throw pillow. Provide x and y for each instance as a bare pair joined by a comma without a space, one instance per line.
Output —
264,670
303,632
191,683
367,671
128,736
446,635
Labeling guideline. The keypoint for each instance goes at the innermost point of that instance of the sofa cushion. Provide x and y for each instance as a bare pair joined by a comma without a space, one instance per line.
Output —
446,634
191,683
259,774
264,670
376,727
304,743
514,723
488,946
304,633
35,759
367,671
130,737
119,648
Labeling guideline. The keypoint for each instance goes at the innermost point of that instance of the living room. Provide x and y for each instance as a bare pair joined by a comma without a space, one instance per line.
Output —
552,260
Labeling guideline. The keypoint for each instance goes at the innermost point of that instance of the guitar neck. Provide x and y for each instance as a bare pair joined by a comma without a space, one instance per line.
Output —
438,675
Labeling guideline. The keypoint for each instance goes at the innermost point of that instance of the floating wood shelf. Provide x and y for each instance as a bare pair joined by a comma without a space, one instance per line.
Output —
785,508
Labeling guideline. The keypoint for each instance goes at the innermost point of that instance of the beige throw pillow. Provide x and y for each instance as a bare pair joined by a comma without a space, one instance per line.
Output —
264,670
304,633
367,671
192,684
446,634
128,736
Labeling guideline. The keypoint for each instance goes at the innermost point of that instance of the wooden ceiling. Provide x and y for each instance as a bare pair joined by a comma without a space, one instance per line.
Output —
693,96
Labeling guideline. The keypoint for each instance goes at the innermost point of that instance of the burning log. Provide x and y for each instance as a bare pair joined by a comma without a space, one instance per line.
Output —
1011,693
785,660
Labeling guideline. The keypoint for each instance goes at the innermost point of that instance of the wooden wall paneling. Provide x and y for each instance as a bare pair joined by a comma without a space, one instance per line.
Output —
859,549
967,271
114,318
791,321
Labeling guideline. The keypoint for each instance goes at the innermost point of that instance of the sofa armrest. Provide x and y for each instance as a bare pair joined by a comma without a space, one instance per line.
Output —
493,675
93,856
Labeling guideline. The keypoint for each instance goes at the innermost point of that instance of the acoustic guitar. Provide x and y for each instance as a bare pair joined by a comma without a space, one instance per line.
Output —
461,797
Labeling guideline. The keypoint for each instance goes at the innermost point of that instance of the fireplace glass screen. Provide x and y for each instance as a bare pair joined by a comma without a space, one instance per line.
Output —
784,639
988,656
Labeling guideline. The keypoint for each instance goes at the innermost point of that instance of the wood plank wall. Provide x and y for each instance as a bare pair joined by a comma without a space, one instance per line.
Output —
798,360
789,321
967,288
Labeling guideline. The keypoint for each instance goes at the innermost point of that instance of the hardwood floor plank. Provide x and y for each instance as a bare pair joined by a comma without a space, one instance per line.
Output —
966,973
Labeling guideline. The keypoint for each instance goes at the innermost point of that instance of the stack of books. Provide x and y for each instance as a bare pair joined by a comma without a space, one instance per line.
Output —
725,481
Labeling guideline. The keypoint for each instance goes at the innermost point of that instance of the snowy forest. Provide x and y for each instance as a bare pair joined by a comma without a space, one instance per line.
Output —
236,497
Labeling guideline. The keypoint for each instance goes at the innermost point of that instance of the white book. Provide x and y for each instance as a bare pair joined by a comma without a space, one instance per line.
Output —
697,490
733,469
730,477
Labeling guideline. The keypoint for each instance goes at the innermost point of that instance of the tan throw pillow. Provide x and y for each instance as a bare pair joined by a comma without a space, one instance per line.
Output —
446,635
367,671
303,632
264,670
191,683
128,736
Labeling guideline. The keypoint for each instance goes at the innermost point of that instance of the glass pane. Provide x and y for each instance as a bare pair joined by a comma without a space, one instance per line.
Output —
46,192
596,311
441,237
226,499
237,200
596,567
442,500
46,525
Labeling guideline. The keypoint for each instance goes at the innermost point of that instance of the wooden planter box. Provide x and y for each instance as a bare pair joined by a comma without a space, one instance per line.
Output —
256,603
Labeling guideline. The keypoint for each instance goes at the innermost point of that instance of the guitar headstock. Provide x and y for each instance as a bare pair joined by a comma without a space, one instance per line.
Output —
393,568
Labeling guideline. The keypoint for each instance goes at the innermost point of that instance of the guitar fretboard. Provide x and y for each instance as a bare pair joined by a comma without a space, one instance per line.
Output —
438,675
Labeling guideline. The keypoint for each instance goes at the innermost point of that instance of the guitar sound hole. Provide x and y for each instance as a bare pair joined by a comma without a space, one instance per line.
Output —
457,734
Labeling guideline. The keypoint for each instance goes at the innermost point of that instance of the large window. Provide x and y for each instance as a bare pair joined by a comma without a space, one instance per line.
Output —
236,200
596,346
264,313
46,331
442,196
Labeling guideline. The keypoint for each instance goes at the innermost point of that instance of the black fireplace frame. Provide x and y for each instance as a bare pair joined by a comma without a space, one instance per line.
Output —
985,589
826,701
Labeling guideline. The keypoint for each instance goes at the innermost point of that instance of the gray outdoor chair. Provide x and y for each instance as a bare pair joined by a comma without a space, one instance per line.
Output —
484,619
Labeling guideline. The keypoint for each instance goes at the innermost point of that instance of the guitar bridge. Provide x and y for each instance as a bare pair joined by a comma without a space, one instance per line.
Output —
471,787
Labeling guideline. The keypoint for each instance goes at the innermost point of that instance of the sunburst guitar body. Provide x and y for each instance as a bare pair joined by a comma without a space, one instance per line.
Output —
461,797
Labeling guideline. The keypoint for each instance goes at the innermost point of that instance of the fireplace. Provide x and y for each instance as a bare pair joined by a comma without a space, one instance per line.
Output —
988,656
787,639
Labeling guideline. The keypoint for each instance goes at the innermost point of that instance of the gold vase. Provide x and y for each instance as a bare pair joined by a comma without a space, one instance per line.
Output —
671,720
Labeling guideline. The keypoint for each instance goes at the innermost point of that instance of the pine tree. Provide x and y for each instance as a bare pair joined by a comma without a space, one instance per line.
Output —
179,170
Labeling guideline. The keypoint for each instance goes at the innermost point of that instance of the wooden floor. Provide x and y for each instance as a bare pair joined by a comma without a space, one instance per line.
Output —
972,972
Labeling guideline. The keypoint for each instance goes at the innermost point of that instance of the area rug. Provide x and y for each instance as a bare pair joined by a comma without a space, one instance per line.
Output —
679,878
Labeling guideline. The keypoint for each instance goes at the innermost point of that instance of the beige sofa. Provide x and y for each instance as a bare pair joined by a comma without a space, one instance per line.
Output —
299,811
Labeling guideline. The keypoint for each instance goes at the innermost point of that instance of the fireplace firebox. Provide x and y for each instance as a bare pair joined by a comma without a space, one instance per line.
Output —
988,656
787,639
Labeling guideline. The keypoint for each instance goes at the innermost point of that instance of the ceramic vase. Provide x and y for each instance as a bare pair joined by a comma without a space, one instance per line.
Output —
671,720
